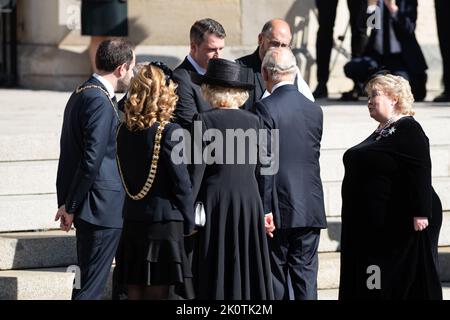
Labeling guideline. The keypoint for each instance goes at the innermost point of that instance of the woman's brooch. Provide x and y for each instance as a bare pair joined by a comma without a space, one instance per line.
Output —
385,133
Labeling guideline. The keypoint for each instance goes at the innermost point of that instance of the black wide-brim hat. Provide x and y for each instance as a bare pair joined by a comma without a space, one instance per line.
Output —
223,73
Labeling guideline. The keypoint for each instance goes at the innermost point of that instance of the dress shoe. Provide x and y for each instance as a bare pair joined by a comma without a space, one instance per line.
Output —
444,97
321,91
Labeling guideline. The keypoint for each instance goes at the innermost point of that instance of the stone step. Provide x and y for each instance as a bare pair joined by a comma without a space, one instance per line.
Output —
329,268
33,177
56,283
332,167
36,284
28,212
333,294
348,124
330,237
29,250
333,200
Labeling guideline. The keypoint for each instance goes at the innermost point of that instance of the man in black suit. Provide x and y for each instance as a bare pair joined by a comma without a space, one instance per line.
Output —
292,196
326,11
207,38
392,46
89,187
443,25
275,33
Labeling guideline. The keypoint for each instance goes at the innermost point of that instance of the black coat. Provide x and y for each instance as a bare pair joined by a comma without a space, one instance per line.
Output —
190,98
404,25
252,74
170,197
232,254
387,182
88,181
294,193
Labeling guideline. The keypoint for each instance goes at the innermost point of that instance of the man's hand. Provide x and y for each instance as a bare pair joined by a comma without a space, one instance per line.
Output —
65,217
392,7
269,224
372,2
420,223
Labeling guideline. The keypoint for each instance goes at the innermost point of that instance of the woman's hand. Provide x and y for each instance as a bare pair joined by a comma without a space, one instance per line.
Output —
420,223
269,224
192,233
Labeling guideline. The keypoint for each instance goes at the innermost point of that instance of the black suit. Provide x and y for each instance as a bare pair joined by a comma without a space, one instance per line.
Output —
324,43
88,184
443,25
409,63
294,194
190,98
252,74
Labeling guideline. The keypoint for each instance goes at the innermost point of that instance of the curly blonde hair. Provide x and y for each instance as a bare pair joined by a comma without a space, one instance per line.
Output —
150,99
394,87
221,97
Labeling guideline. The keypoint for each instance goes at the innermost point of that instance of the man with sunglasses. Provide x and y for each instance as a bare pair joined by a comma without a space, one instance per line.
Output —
274,34
89,188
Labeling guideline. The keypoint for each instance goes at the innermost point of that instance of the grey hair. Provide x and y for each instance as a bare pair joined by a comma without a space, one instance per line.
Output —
280,63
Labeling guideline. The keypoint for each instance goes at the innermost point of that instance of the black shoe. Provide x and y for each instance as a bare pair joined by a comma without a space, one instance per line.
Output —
351,95
321,91
444,97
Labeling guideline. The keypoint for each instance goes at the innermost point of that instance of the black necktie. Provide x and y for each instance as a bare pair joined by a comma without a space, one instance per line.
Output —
386,31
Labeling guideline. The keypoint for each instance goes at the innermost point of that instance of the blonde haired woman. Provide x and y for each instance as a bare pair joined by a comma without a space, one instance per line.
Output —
158,208
391,215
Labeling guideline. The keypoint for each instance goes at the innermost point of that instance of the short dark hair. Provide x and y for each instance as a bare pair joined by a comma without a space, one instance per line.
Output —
113,53
204,26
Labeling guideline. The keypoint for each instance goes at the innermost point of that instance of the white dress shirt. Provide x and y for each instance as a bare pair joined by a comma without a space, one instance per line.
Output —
109,87
196,66
301,85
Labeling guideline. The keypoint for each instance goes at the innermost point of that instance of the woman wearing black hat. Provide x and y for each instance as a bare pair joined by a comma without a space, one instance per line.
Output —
232,257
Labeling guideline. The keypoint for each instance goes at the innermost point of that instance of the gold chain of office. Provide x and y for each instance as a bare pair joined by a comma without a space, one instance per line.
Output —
153,167
81,89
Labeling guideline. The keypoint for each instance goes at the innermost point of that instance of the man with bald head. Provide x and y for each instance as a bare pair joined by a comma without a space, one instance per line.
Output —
275,33
293,196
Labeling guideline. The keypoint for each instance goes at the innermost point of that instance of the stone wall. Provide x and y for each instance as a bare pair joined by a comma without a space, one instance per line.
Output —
52,56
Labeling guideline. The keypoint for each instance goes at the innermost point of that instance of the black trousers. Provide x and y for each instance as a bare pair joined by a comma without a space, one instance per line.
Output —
361,68
96,247
293,252
443,26
324,43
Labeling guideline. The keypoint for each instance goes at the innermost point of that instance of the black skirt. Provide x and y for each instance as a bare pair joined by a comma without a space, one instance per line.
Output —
153,254
104,18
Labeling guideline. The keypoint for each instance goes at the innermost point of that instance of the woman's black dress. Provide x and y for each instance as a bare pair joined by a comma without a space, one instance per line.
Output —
104,18
232,256
151,249
388,182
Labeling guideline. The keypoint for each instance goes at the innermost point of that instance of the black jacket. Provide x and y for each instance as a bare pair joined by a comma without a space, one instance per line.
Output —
294,193
252,74
190,99
88,181
170,197
404,25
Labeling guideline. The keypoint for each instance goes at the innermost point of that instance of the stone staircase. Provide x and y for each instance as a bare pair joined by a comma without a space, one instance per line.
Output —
34,256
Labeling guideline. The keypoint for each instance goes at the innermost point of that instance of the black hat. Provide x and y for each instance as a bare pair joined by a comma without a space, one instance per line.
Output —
224,73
